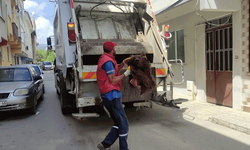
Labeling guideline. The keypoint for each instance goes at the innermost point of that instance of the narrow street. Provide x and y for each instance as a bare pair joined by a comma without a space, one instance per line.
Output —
160,128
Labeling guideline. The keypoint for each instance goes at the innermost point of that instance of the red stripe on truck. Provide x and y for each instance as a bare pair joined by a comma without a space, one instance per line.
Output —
90,74
72,4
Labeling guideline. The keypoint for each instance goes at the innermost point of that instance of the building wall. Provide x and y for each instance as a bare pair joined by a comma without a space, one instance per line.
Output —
245,57
3,20
5,61
3,25
194,40
28,29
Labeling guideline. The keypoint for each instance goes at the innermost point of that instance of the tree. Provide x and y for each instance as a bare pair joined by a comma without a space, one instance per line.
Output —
50,56
45,55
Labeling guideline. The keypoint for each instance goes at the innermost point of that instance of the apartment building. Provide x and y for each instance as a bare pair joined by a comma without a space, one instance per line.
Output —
5,58
19,31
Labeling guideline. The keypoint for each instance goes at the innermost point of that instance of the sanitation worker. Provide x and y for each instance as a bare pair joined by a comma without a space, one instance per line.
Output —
109,82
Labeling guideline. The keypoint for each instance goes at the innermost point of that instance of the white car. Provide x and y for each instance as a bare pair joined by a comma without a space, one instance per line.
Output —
47,65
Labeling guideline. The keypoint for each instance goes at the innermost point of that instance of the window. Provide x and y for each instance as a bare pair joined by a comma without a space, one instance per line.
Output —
9,9
219,45
219,22
0,7
8,53
21,11
23,35
176,48
2,52
33,72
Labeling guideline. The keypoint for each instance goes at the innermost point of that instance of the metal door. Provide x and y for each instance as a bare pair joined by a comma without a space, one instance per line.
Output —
219,65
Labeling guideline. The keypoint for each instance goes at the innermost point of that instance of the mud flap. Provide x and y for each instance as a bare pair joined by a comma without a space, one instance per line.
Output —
143,104
161,99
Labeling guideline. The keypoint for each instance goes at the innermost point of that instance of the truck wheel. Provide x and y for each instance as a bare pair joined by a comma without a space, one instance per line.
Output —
63,95
57,92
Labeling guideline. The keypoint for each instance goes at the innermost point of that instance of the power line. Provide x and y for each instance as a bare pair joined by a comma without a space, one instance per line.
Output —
207,20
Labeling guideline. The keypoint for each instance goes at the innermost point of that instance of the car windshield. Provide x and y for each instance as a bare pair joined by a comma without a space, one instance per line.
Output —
37,69
14,74
47,63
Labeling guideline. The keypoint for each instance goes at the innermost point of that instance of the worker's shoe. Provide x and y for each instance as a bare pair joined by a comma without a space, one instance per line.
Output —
101,147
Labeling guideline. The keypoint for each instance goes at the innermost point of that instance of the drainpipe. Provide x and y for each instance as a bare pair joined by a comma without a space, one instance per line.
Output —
195,59
249,38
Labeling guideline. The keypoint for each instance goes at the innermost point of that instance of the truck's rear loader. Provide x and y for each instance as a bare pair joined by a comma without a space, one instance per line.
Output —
80,29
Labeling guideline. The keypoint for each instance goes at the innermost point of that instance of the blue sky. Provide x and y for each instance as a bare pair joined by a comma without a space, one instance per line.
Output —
43,12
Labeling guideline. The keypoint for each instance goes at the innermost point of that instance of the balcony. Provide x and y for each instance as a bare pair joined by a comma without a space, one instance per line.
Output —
13,2
15,41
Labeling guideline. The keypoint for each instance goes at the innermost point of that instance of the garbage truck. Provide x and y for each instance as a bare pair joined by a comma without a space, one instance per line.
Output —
81,27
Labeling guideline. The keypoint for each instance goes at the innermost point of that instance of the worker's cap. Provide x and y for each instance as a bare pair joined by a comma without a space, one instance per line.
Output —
108,46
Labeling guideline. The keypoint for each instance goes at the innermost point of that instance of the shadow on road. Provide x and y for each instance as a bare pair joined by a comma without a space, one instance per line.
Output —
18,114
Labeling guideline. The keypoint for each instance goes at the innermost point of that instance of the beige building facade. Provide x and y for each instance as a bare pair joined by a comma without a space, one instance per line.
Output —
18,34
4,53
212,38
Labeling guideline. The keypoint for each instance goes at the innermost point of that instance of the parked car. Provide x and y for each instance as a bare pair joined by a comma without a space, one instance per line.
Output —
20,88
37,68
47,65
40,64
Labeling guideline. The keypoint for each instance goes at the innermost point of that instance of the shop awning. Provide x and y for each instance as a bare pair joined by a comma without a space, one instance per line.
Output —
26,59
3,42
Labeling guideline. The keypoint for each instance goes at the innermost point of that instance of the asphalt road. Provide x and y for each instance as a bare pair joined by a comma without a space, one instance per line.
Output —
160,128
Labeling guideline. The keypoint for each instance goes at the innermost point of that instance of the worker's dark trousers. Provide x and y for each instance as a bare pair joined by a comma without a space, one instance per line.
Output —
120,128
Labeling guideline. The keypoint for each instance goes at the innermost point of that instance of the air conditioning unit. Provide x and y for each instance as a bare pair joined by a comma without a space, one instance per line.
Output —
190,90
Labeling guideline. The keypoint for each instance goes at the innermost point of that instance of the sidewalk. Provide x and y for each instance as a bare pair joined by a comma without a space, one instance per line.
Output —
225,116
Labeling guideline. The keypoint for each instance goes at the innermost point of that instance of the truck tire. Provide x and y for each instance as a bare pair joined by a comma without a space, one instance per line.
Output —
63,95
57,92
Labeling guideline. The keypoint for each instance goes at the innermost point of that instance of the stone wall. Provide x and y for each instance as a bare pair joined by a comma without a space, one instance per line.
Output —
245,57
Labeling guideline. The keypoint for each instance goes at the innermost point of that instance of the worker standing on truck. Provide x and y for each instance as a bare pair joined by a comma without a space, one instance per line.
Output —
109,83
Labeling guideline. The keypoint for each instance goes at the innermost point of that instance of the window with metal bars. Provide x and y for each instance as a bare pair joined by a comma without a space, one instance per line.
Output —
219,45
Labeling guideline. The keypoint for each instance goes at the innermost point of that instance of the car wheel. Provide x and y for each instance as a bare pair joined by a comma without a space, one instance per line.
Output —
32,110
43,89
42,97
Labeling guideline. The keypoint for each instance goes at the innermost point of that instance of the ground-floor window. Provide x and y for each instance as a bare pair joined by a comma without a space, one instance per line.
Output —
176,46
2,53
0,8
8,53
219,45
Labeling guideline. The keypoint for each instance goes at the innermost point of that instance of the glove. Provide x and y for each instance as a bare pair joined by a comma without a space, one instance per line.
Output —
125,61
127,72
